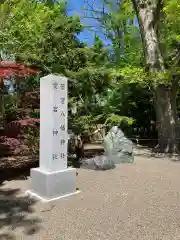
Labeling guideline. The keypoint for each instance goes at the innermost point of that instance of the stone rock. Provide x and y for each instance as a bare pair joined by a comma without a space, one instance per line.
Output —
117,147
98,163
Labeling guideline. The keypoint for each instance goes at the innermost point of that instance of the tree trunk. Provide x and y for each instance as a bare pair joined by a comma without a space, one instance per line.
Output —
148,16
166,119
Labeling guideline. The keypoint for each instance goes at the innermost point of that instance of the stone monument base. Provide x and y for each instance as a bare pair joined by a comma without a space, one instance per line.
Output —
50,186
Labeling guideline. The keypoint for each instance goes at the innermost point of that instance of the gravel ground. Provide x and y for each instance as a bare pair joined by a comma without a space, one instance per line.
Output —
138,201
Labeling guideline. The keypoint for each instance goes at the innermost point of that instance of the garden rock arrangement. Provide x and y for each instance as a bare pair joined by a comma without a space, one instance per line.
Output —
98,163
118,148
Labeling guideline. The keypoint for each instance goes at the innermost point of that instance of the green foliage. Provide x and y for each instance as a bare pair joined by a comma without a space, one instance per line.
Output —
31,139
94,76
131,74
172,14
170,36
11,112
118,24
41,34
114,120
83,125
35,113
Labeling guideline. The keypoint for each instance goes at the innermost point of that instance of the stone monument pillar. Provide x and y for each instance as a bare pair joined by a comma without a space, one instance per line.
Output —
53,180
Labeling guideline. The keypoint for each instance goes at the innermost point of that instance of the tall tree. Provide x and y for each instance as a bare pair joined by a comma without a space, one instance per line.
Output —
155,72
149,15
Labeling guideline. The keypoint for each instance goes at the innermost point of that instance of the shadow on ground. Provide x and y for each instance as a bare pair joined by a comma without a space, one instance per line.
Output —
144,151
15,212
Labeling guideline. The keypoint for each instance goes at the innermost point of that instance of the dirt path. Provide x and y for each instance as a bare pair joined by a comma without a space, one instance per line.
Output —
139,201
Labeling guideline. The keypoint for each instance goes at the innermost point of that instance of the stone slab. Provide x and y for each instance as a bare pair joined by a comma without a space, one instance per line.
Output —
53,122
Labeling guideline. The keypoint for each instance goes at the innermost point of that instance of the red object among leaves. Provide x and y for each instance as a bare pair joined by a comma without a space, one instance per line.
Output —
11,140
14,128
9,69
